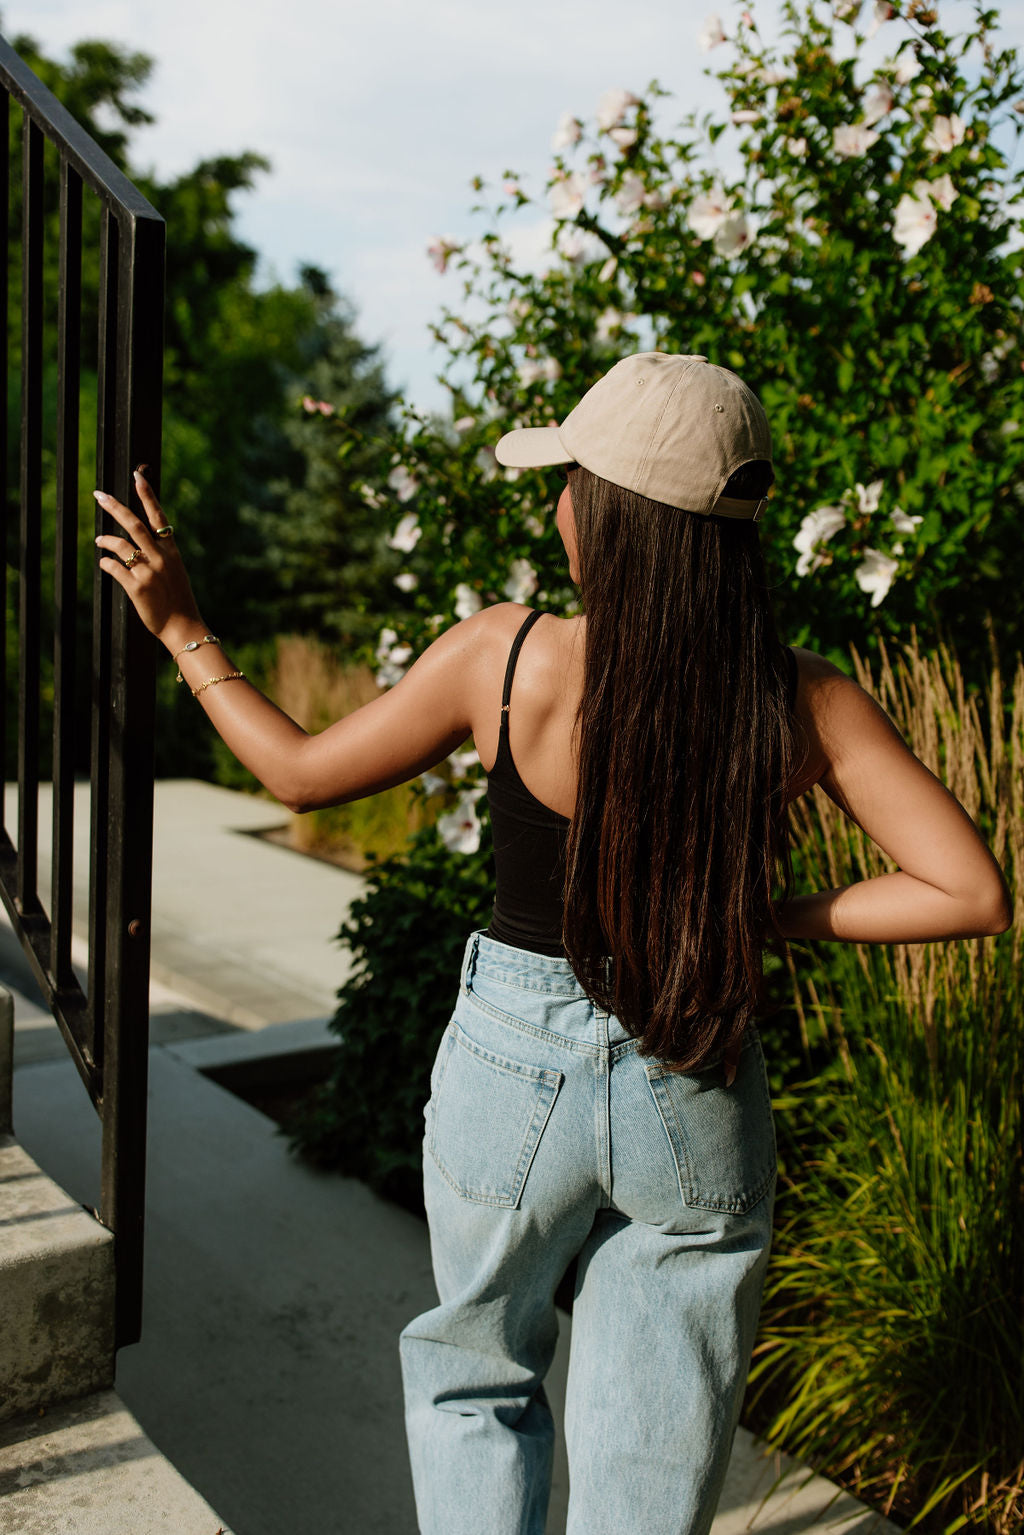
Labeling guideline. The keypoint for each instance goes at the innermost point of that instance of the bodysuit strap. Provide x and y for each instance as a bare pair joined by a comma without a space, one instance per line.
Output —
513,657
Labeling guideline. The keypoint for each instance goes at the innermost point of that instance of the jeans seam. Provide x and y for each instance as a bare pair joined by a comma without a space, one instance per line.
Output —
560,1041
604,1129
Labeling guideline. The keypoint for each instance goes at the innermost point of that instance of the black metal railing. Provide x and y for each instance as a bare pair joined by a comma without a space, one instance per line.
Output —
72,195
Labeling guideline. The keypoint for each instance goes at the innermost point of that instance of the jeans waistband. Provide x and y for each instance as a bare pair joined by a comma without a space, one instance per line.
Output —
540,978
518,967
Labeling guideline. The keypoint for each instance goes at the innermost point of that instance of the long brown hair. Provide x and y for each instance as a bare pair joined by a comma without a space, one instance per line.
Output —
678,844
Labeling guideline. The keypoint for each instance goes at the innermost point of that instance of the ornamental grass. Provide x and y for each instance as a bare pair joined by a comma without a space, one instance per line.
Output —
310,684
891,1350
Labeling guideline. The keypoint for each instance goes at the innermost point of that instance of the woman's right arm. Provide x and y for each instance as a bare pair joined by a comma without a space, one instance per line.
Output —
947,883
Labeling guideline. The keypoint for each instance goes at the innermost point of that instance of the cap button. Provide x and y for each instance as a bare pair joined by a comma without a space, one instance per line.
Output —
719,407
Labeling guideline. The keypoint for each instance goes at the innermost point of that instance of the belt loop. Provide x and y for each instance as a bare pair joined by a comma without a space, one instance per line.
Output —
469,962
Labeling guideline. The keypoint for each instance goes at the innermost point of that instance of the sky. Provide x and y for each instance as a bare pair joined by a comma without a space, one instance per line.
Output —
375,114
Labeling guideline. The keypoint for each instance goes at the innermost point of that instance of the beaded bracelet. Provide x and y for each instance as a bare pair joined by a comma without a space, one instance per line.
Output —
210,681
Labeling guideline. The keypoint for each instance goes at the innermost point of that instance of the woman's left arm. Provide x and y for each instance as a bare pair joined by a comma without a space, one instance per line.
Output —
393,738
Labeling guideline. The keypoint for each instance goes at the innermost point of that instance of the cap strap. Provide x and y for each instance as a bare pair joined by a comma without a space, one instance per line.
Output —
730,506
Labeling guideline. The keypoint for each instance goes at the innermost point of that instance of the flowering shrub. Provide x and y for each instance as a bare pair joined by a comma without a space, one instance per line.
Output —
843,233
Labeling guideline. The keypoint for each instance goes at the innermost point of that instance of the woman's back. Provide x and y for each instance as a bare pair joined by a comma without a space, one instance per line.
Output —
545,695
543,702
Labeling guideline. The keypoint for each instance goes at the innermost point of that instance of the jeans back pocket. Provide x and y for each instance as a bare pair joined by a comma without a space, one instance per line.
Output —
485,1119
722,1138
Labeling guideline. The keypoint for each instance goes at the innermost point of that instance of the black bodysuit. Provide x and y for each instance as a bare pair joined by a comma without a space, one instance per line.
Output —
529,844
530,838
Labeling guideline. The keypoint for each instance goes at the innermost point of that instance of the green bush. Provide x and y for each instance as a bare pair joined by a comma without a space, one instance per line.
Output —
406,934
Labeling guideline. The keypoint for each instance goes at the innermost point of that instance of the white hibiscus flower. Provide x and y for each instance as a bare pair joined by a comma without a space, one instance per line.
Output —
407,534
535,370
877,104
815,530
712,34
945,134
708,212
902,522
630,195
565,196
460,829
942,191
393,658
522,581
906,66
915,222
404,484
867,497
608,321
613,106
881,13
467,601
852,139
568,132
733,235
875,574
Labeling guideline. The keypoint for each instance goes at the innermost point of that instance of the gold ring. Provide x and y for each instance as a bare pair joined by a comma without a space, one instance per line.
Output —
165,531
136,554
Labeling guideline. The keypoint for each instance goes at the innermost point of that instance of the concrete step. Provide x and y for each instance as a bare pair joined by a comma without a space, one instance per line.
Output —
56,1290
56,1275
87,1468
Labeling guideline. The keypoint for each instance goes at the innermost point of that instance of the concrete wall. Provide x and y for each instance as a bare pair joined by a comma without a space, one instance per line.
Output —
56,1277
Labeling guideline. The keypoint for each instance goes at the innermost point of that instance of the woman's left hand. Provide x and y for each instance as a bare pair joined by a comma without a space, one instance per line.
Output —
148,565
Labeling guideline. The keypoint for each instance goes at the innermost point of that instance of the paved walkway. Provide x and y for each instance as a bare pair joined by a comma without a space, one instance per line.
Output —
267,1373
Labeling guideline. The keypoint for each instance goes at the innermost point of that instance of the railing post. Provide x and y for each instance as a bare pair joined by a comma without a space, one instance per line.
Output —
31,512
69,326
130,785
5,482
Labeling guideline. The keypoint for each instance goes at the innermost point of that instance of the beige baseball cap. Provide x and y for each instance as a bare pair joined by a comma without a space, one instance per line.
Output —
670,427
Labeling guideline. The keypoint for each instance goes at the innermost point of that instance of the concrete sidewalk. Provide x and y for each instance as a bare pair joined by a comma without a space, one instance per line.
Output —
241,928
268,1373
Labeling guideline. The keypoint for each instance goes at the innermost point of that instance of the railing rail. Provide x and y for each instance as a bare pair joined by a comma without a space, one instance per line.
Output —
104,1023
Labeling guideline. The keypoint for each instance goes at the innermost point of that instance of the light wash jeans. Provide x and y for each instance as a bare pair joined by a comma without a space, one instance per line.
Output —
548,1136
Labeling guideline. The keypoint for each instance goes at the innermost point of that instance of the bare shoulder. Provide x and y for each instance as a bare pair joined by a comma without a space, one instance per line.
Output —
814,672
491,632
546,686
831,702
834,714
477,641
474,654
491,625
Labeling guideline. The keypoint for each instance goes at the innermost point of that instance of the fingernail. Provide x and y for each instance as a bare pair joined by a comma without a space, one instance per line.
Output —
101,495
140,470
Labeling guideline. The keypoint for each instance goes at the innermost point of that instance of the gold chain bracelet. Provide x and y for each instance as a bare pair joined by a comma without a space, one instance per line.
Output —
211,681
207,639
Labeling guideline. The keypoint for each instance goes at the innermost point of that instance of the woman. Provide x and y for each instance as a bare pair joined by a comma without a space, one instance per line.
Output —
600,1093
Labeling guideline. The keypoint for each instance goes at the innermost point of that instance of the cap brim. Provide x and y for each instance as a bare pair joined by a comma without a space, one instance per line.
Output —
532,447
